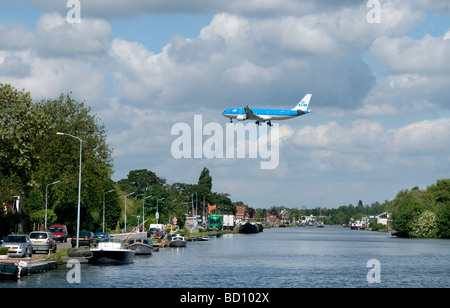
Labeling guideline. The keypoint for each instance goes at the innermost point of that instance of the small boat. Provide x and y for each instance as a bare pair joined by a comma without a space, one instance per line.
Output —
141,245
357,225
248,228
204,238
111,251
320,225
178,240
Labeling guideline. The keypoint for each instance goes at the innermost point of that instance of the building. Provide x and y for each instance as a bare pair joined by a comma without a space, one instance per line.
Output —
383,218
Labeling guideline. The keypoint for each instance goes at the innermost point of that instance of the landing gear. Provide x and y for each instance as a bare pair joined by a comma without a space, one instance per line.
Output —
269,124
231,120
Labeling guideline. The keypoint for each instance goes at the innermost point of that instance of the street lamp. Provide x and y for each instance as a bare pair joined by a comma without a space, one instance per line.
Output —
104,207
157,214
46,189
126,210
203,209
143,213
79,184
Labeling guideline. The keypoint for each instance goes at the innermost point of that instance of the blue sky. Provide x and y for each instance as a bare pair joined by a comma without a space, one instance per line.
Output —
380,120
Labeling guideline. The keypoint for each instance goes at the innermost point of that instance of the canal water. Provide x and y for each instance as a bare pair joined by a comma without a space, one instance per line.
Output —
276,258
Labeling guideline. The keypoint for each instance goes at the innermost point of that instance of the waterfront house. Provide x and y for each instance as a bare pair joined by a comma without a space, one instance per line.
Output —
383,218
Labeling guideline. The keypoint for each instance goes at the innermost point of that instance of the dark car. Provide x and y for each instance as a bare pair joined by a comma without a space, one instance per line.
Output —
101,235
86,238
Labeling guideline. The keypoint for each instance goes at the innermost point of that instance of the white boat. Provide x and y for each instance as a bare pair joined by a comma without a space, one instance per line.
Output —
141,245
111,251
357,225
178,240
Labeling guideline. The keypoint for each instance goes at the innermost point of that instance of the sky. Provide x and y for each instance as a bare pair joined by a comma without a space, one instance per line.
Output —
380,119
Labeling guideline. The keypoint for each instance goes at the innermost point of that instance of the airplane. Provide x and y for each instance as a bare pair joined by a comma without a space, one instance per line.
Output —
267,115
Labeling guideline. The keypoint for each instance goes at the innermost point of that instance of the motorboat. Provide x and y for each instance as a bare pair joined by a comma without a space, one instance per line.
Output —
357,225
248,228
111,251
178,240
141,245
204,238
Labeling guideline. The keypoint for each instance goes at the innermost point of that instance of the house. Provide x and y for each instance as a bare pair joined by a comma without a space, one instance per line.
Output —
383,218
271,218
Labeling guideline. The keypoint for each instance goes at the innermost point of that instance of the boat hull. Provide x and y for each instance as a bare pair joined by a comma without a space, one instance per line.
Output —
140,249
248,228
112,257
177,243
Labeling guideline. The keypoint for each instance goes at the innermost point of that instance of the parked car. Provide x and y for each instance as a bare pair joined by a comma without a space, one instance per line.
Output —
156,230
59,232
19,245
43,240
86,238
101,235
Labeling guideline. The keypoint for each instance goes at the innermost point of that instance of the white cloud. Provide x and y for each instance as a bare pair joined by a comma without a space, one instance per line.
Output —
429,55
366,145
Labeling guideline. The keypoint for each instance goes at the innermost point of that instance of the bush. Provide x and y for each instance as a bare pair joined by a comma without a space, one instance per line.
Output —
4,250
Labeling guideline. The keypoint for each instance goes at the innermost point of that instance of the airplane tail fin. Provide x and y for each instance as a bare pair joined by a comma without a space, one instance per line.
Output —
303,104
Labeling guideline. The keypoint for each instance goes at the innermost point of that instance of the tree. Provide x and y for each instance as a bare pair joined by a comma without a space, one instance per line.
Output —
205,179
58,160
20,125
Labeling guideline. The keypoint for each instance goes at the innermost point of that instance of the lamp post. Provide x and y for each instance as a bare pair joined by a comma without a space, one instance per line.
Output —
157,213
126,210
46,189
104,207
143,213
79,184
203,209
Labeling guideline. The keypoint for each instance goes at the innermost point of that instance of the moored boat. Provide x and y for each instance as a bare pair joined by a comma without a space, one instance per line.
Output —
204,238
357,225
248,228
141,245
178,240
111,251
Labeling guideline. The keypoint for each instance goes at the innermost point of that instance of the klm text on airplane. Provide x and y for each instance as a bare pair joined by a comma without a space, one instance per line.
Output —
267,115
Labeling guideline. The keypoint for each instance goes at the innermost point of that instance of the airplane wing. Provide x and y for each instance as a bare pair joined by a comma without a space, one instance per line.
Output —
253,116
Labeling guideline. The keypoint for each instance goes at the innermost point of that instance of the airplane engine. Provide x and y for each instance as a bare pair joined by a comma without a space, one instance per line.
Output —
241,117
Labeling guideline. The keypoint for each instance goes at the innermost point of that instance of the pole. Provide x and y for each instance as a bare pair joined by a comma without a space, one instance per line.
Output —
79,185
46,189
157,213
143,213
126,210
104,207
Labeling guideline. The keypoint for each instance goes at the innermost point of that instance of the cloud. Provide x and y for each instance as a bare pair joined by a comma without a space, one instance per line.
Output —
405,55
366,145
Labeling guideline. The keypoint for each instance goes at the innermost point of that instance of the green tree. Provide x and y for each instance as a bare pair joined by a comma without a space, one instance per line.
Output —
58,160
21,124
205,179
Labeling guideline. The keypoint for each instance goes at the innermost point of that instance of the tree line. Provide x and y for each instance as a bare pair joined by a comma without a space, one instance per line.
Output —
414,213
